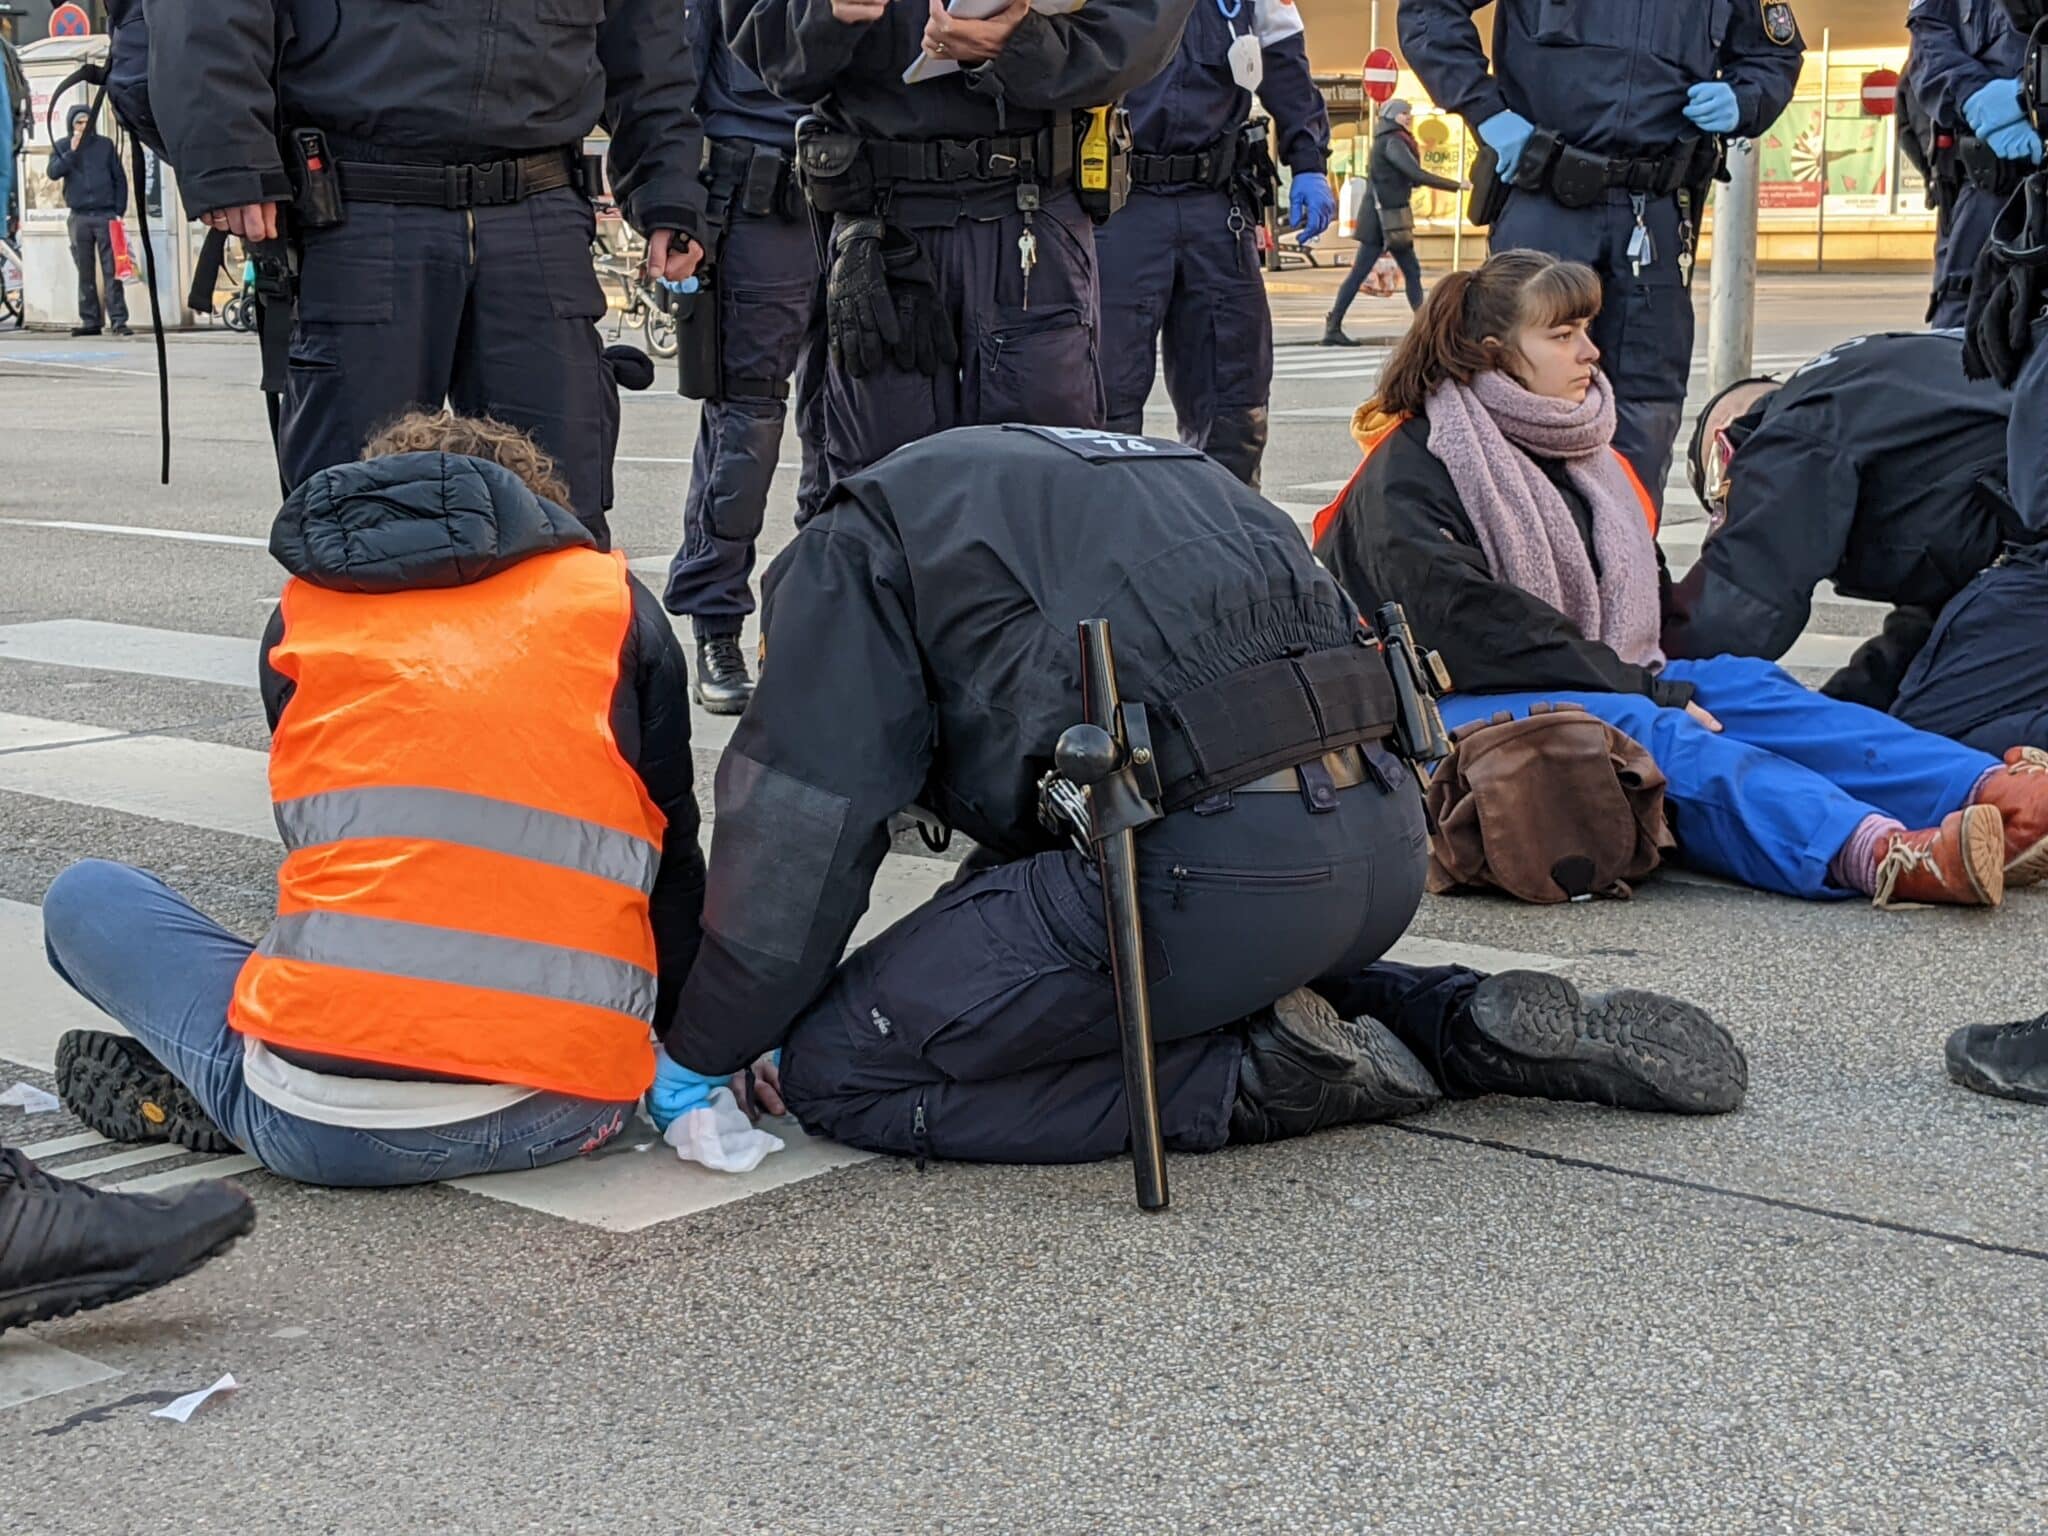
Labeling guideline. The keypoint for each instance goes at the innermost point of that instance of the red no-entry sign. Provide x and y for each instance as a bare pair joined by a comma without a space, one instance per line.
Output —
1880,93
70,21
1381,75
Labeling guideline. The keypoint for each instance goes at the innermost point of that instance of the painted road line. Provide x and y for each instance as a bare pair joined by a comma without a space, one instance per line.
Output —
31,1368
133,648
42,1151
211,1168
40,1008
1415,949
183,535
169,778
135,1157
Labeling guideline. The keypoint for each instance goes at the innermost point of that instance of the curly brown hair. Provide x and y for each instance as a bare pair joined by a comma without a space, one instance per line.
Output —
476,437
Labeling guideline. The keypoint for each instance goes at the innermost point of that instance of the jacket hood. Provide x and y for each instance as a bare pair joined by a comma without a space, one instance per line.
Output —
71,120
416,520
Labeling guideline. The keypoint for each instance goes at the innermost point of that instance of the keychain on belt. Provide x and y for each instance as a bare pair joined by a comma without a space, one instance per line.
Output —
1642,250
1027,243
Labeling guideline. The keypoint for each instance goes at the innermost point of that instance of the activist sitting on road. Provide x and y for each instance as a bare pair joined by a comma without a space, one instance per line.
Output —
481,765
1492,504
920,646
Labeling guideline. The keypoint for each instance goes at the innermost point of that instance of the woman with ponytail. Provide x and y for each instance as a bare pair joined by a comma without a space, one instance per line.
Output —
1493,505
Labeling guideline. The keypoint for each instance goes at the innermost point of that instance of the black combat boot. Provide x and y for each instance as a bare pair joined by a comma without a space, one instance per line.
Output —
2007,1061
1333,334
723,686
67,1247
1535,1036
1305,1068
85,330
114,1085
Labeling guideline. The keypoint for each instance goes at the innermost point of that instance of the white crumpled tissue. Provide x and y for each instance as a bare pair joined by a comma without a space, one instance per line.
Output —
34,1100
720,1136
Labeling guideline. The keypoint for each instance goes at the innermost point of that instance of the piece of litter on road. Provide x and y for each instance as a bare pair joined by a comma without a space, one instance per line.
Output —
289,1333
186,1406
34,1100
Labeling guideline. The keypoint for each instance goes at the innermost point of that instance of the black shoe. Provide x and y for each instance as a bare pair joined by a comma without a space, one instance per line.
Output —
67,1247
123,329
85,330
1534,1036
2007,1061
1304,1069
723,686
114,1085
1333,335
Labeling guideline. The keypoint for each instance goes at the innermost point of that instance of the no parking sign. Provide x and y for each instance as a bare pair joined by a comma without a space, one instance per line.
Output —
70,20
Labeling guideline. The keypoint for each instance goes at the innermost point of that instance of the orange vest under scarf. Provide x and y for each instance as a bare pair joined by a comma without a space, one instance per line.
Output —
469,857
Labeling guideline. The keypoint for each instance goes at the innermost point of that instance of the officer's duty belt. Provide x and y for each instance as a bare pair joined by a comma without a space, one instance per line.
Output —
1345,766
1007,157
758,177
489,185
1210,166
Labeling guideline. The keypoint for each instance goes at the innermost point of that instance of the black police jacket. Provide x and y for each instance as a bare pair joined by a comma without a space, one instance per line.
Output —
1402,535
1877,465
428,84
921,648
441,520
853,73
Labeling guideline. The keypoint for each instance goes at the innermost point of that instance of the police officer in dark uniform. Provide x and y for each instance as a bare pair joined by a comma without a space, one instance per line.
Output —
961,284
1605,116
927,617
768,284
1182,256
1966,66
424,162
1930,147
1878,466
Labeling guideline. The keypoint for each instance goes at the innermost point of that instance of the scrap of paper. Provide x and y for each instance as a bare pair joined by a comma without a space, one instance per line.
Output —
925,67
183,1409
34,1100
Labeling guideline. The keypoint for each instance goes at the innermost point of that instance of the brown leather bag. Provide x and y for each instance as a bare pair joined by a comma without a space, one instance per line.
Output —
1551,808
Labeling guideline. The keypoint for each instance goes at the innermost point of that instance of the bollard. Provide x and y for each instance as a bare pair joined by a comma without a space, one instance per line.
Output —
1731,305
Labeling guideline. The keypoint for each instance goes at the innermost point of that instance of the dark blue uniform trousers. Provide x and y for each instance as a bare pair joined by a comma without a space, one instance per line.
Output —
1183,267
1027,352
492,310
1982,677
92,253
1956,249
1645,325
983,1026
771,325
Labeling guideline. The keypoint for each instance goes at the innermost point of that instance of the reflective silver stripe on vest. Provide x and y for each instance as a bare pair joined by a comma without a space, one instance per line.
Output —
474,821
420,953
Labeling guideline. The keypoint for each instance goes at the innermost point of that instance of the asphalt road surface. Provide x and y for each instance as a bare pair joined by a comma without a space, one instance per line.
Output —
1820,1314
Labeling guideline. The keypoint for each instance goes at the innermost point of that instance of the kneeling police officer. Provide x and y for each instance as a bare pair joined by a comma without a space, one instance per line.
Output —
921,648
961,283
425,166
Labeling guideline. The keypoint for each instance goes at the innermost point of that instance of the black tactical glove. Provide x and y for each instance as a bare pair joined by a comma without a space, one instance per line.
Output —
860,316
928,345
2008,287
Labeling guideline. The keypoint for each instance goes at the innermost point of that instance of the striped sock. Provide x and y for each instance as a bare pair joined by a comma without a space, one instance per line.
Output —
1854,865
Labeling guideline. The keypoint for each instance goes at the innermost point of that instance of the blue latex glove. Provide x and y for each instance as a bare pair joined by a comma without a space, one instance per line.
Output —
1505,133
1711,107
1992,106
677,1090
2016,141
1312,204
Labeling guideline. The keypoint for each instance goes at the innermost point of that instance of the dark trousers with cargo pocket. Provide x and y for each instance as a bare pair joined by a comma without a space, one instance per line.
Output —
983,1026
1982,677
92,253
1028,350
1180,269
771,325
1645,326
491,310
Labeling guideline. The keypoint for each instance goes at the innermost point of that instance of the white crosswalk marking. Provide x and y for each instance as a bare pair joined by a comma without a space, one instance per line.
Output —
32,1368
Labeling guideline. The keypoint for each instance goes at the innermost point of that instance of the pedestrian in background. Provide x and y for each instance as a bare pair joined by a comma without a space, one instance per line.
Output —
1386,218
96,192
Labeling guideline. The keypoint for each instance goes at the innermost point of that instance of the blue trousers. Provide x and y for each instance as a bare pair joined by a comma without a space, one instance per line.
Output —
493,310
1771,799
1645,325
140,953
1182,267
771,325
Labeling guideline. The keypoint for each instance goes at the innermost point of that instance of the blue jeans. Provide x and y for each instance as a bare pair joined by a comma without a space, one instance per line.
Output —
1771,799
140,953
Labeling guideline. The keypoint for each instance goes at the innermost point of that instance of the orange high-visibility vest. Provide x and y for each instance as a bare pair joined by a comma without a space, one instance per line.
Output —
1371,439
468,856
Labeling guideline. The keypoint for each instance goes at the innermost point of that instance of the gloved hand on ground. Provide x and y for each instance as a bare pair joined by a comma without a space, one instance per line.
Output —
719,1135
677,1090
1311,205
1711,107
1506,134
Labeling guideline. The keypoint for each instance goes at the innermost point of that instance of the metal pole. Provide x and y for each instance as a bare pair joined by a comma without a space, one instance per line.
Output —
1116,859
1820,225
1731,305
1458,208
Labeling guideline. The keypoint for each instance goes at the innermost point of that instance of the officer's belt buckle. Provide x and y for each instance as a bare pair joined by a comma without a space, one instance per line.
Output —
1001,166
957,161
